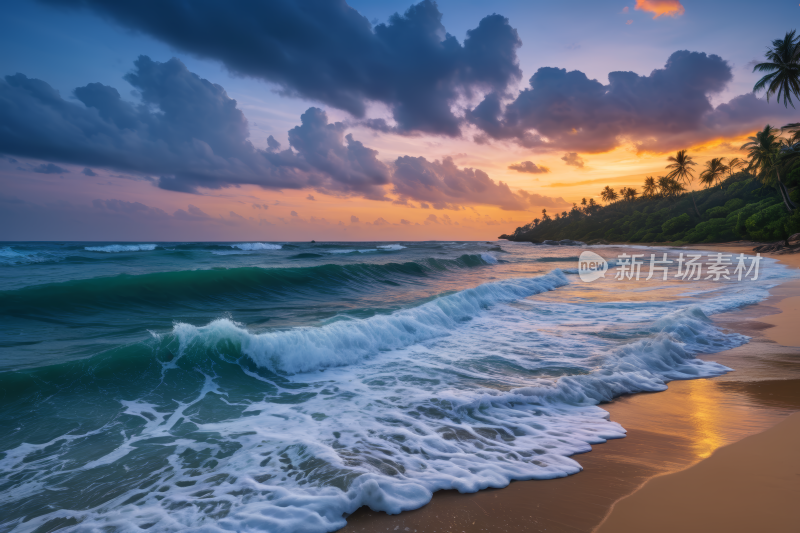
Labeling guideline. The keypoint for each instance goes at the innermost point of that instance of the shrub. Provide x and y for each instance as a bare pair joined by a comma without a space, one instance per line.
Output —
712,230
734,204
716,212
768,224
676,224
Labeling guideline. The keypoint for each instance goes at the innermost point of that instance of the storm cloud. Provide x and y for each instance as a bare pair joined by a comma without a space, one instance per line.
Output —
659,112
326,51
186,131
445,186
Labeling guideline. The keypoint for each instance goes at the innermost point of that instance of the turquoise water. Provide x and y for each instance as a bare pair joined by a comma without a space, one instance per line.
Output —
280,386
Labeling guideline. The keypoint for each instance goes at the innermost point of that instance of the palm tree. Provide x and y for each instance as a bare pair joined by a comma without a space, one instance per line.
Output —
608,194
783,66
545,216
713,172
630,194
650,187
734,164
794,128
681,171
764,150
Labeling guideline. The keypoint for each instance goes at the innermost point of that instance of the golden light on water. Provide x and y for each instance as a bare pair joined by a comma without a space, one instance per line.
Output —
705,415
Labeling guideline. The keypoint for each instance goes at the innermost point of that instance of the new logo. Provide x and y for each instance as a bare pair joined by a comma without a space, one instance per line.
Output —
591,266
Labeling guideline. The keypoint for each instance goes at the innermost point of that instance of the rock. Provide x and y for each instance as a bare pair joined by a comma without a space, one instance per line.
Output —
551,243
570,242
795,237
766,248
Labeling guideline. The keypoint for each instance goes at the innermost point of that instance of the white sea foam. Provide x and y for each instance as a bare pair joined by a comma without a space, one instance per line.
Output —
467,391
346,342
257,246
117,248
489,258
10,256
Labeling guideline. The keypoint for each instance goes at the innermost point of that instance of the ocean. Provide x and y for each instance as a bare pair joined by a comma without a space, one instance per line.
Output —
280,386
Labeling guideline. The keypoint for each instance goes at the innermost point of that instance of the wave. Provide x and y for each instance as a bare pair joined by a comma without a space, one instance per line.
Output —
118,248
250,246
244,283
386,248
347,342
9,256
558,259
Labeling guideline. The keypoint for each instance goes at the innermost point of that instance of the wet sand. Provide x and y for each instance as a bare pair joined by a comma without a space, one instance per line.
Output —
705,455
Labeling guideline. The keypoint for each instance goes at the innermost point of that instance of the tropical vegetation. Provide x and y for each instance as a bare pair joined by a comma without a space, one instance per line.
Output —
752,197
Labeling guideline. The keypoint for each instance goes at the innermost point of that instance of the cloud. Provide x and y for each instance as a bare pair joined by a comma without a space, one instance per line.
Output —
629,22
625,9
445,186
404,222
293,213
328,52
670,8
381,222
528,167
192,213
310,197
432,219
661,111
187,131
353,219
573,159
88,172
130,208
50,168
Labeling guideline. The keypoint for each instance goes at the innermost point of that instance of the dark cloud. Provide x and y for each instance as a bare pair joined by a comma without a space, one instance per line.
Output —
353,219
311,197
445,186
187,131
50,168
130,208
293,213
381,222
573,159
529,167
88,172
404,222
326,51
567,110
192,213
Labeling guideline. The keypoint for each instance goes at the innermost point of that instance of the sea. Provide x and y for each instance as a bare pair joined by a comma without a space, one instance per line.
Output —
280,386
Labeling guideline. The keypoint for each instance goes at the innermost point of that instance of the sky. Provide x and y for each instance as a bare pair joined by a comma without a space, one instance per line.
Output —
370,120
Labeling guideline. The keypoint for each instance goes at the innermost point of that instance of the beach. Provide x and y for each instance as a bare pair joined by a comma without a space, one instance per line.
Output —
714,454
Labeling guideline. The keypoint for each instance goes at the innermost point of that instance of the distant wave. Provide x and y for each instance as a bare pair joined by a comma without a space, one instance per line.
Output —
9,256
117,248
383,248
257,246
242,283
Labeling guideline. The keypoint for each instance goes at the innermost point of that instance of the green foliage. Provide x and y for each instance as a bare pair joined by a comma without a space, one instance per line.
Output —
738,208
676,224
716,212
714,230
768,224
733,205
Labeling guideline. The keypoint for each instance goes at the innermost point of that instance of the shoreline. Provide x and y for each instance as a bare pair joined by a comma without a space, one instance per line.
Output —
670,434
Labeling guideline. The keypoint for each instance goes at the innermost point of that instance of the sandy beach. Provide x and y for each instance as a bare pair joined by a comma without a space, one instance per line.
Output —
714,454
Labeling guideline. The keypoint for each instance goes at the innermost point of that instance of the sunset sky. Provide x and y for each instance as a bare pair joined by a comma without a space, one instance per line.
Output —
369,120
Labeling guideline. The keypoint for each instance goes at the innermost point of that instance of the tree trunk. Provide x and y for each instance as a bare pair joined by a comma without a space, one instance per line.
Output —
695,205
785,194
